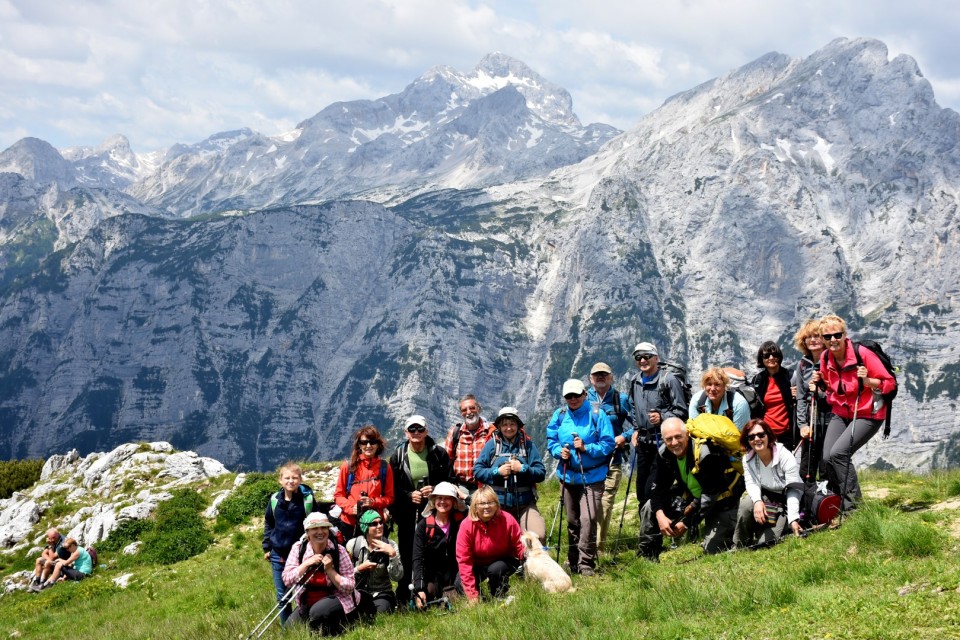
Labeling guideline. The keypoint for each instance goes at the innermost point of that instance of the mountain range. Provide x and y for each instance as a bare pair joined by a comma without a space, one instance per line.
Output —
257,298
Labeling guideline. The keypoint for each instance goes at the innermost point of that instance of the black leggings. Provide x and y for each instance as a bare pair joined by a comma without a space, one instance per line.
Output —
326,616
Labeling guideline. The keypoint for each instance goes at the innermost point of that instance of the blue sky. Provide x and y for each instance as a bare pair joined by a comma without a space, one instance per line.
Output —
74,72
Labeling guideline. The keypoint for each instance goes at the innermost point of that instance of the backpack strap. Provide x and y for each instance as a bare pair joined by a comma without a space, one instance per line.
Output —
702,402
455,441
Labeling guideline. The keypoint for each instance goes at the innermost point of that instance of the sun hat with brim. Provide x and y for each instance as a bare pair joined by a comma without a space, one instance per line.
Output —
315,520
509,412
445,489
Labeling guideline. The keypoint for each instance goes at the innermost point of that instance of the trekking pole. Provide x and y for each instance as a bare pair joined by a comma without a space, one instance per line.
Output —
813,433
516,489
287,598
633,464
563,488
583,479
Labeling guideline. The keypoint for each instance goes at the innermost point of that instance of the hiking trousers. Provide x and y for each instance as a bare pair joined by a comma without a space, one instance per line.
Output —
529,519
748,529
841,441
582,503
610,487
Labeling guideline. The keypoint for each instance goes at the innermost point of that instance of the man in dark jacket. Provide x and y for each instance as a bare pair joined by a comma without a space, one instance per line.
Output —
419,464
654,396
687,491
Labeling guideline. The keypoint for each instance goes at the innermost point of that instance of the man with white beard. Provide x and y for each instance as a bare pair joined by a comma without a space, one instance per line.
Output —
465,440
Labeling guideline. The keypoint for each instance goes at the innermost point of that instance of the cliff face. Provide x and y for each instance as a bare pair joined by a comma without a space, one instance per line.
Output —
785,190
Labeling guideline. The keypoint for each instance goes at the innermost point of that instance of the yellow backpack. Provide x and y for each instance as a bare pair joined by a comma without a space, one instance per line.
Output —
719,430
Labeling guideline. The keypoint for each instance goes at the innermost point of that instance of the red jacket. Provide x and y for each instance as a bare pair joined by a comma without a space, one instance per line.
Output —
842,383
481,543
366,478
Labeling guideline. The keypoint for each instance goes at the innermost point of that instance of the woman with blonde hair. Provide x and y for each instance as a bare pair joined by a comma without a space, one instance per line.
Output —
810,404
488,546
717,398
854,379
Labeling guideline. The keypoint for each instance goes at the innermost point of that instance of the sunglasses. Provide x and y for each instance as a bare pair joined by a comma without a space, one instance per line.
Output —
643,356
366,443
572,396
376,523
767,356
832,336
756,436
416,429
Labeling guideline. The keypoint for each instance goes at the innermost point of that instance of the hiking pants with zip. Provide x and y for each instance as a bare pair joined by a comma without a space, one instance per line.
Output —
841,441
610,487
582,503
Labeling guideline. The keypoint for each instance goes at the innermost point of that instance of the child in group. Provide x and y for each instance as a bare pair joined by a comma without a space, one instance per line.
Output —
283,523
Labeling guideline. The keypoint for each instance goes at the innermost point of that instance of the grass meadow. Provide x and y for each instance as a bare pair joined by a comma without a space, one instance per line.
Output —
890,571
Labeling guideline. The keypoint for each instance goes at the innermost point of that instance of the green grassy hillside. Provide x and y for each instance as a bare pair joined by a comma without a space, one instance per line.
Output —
890,571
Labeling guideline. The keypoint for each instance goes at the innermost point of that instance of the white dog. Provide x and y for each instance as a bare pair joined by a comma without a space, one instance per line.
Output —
540,565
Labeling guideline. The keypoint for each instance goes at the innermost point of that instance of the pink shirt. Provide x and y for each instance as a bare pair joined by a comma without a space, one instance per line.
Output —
481,543
842,383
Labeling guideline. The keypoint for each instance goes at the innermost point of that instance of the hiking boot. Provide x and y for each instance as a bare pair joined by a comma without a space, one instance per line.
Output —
587,572
33,587
45,585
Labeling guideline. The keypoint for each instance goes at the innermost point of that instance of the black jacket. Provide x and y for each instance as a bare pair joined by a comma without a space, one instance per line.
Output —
438,470
782,379
716,476
435,554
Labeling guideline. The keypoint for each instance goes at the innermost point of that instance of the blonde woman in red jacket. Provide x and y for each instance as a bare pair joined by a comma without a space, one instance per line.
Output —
850,393
488,546
365,481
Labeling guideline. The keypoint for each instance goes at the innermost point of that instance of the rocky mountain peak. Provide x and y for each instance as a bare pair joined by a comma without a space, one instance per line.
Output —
37,160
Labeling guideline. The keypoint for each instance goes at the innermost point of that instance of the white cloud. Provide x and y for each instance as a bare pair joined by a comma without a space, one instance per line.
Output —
74,71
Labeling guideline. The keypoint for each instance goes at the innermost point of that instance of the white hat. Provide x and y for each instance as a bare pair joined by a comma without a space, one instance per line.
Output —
509,412
573,386
317,519
415,420
645,347
446,489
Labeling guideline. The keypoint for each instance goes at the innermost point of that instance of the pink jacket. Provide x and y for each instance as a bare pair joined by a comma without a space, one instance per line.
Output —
345,593
842,383
481,543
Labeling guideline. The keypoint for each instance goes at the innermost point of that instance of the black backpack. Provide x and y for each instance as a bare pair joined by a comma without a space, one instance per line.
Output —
891,369
738,382
680,374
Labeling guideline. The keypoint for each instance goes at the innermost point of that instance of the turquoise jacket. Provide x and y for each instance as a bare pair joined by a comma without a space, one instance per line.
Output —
597,434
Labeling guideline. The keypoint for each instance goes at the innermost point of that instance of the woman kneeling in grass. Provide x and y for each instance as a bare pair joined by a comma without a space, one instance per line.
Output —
328,599
488,546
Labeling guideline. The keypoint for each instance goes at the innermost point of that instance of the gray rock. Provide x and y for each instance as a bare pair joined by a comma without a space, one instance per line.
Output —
17,518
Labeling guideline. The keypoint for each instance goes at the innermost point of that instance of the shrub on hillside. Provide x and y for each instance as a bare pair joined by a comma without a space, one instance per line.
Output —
126,532
16,475
178,530
249,499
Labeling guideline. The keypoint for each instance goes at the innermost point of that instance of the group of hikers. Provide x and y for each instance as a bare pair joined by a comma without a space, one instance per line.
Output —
459,509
